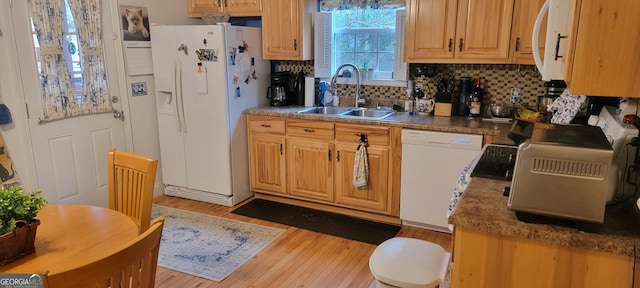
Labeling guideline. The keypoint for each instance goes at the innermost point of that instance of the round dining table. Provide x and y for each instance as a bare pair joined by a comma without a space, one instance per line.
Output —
72,235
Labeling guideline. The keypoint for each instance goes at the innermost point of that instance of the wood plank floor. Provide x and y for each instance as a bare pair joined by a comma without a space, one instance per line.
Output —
298,258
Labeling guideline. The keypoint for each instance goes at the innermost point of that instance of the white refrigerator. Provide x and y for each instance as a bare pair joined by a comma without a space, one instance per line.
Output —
205,77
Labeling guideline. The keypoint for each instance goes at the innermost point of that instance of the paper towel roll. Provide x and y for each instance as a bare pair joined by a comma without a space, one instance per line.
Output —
309,91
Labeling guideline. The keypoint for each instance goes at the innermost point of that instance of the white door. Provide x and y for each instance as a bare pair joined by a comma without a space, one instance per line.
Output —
71,154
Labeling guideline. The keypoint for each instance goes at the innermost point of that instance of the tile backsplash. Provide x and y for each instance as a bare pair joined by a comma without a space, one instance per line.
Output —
497,81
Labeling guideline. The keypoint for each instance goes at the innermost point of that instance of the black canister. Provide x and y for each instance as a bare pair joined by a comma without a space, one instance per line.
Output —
464,93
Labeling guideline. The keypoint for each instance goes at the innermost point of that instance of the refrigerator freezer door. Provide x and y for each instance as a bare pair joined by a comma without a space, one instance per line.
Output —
164,55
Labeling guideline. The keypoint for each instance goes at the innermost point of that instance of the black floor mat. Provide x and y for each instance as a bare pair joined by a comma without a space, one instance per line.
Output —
319,221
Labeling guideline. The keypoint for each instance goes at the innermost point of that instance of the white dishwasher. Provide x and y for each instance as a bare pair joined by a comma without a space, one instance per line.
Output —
431,163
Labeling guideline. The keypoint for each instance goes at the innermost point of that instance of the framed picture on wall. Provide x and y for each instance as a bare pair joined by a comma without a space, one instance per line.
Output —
135,23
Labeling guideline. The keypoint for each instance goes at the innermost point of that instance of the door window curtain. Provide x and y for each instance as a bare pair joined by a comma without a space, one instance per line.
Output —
330,5
88,18
57,91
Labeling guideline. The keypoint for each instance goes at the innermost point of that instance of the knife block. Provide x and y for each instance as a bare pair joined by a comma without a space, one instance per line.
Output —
442,109
444,104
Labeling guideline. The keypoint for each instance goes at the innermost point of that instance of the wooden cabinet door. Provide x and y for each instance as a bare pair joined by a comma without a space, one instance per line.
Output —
310,168
484,259
244,7
267,163
606,57
281,35
198,7
458,31
524,17
430,30
483,30
375,195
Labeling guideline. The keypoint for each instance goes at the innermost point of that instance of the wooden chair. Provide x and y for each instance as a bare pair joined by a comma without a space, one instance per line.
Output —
132,265
131,182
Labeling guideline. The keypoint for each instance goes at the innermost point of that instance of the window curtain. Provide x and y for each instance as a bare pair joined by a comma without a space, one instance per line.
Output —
330,5
88,18
58,95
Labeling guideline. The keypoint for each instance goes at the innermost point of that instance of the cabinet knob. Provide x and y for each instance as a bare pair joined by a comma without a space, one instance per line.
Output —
450,44
460,47
517,44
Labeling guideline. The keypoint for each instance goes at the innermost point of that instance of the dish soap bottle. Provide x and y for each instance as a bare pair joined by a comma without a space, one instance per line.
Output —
477,93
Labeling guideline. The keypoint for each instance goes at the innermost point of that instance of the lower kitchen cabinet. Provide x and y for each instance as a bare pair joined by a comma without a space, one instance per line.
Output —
374,196
310,159
318,157
484,259
267,163
267,166
310,169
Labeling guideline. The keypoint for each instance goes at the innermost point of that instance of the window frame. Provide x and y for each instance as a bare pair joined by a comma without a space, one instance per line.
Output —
324,42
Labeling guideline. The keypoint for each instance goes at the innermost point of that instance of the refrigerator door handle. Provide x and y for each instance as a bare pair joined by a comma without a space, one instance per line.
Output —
177,80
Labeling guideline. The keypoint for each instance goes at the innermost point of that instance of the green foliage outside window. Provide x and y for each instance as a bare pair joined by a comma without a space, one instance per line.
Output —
364,37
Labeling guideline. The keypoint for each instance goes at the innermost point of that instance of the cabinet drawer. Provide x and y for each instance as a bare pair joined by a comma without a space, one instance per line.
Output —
263,124
310,129
377,136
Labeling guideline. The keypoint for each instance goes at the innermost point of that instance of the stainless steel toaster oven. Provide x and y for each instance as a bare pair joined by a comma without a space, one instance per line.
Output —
562,171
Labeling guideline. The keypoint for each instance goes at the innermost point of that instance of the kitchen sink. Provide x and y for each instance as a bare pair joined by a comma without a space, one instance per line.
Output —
368,113
326,110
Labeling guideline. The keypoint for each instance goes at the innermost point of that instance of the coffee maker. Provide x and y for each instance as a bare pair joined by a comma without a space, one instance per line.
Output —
279,93
287,88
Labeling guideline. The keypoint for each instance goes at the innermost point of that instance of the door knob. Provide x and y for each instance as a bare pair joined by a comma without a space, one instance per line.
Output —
118,114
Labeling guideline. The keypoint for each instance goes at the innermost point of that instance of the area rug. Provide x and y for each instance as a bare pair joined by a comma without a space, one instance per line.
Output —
319,221
208,246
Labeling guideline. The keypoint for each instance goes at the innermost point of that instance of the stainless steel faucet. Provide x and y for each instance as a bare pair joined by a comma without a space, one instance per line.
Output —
360,101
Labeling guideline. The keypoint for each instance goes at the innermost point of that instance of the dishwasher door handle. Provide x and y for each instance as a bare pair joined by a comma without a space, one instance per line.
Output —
439,144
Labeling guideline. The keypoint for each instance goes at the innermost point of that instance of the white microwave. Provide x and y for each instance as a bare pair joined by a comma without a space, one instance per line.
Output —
551,67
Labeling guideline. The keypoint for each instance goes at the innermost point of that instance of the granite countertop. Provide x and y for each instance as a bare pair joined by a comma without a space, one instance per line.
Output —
456,124
484,208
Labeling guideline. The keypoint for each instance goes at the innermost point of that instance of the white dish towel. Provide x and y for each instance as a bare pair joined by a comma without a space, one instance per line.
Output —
360,167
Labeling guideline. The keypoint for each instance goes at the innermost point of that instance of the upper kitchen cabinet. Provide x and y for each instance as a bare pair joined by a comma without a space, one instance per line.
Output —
458,31
524,17
286,30
603,59
233,7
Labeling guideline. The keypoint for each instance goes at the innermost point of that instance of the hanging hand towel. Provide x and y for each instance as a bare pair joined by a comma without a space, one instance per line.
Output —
360,167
